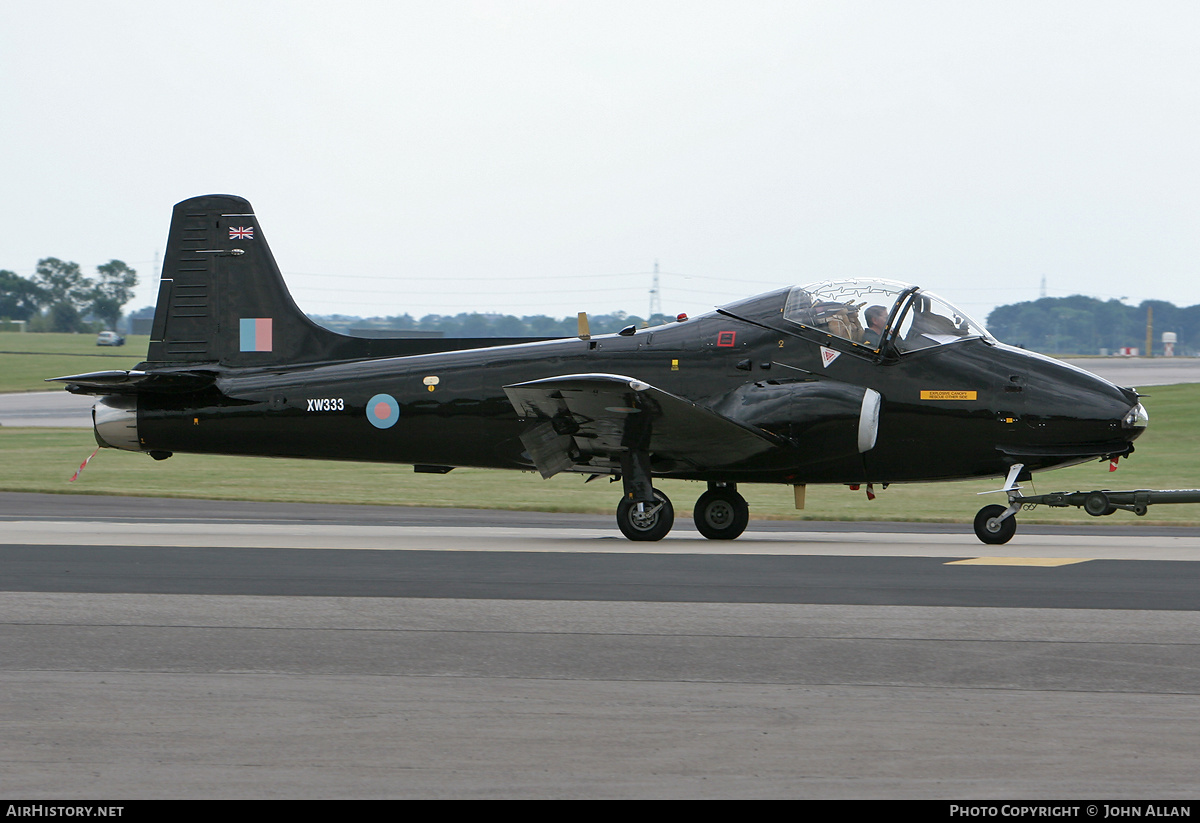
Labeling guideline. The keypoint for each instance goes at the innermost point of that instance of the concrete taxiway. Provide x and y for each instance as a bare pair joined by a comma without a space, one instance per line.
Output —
170,648
59,409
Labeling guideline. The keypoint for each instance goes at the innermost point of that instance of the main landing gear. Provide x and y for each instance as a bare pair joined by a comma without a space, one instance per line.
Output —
646,521
720,514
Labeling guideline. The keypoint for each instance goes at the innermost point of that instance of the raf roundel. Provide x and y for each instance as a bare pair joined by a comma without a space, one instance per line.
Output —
383,411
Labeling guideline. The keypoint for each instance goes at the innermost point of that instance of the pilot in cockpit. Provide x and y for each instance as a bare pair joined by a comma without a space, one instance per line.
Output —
876,319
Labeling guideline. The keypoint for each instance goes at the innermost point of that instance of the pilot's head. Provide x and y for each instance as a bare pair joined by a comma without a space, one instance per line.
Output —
876,317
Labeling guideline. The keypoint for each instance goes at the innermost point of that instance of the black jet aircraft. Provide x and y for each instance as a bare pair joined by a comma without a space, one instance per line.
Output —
853,382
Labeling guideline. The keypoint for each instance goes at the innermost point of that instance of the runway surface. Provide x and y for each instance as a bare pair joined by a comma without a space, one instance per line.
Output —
171,648
59,409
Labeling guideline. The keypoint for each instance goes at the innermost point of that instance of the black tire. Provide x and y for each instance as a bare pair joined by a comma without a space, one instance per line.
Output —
991,532
721,514
1096,504
638,526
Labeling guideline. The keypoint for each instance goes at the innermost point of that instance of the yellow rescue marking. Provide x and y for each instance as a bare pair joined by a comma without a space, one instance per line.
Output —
1019,561
674,365
948,395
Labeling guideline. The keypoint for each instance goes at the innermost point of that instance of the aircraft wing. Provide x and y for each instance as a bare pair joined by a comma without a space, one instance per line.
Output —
582,416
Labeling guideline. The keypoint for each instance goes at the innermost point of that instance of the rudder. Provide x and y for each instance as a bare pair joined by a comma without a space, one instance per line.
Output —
222,297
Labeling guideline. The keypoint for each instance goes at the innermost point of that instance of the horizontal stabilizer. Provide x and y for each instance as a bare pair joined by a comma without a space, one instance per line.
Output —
134,381
605,415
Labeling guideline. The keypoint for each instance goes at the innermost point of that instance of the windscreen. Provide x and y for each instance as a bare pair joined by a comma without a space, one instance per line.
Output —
930,321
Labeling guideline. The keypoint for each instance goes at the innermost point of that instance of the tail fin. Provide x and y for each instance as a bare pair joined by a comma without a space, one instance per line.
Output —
222,299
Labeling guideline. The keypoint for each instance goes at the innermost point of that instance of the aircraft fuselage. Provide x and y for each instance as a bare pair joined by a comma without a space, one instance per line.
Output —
856,381
947,413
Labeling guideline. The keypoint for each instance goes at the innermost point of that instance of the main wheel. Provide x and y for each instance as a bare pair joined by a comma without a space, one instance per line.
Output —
721,514
993,531
651,523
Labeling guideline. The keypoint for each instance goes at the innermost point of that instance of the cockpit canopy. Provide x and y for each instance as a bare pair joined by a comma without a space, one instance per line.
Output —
871,312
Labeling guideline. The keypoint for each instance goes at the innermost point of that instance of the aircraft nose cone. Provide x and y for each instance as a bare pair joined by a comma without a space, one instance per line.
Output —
1136,418
1070,411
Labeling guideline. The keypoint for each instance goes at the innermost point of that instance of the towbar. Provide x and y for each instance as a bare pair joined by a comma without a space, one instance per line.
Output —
1105,502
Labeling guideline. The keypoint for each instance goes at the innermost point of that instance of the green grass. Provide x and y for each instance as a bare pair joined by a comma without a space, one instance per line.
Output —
27,359
41,460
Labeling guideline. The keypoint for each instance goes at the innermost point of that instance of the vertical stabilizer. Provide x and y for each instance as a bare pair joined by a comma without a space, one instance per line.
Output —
222,298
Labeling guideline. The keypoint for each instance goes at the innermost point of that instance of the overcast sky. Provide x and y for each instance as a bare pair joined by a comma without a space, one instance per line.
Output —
540,157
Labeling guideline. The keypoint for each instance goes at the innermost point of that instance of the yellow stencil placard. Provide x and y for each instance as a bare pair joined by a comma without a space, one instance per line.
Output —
948,395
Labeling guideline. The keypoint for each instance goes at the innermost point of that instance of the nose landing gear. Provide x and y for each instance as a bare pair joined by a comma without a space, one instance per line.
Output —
996,524
991,529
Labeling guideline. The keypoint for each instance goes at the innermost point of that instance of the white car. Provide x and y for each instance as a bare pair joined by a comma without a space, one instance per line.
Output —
109,338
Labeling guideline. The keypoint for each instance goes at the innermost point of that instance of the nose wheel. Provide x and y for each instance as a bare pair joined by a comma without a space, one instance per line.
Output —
721,513
646,521
991,529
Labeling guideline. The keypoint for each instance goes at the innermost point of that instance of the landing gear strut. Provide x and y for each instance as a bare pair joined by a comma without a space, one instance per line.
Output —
721,513
644,513
995,524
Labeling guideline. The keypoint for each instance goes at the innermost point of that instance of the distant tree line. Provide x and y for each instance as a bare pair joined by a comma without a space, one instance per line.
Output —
1085,325
60,298
1055,325
474,324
